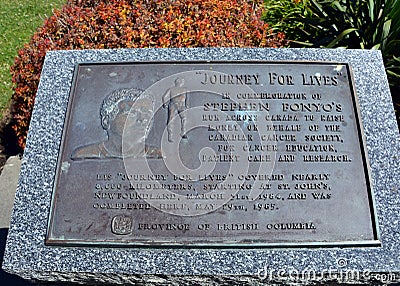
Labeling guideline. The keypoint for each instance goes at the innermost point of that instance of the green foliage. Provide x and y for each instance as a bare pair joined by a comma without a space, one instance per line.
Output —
363,24
356,24
289,16
93,24
18,20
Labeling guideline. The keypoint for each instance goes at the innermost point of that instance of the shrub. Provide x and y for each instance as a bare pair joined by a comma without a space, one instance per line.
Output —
289,16
356,24
96,24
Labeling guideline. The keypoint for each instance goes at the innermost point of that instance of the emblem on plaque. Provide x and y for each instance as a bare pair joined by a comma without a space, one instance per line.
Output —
121,225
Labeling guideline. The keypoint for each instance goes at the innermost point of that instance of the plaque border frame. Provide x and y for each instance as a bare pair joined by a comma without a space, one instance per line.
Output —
166,244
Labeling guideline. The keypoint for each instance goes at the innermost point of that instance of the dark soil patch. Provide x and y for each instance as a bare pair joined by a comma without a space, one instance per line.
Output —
396,102
8,140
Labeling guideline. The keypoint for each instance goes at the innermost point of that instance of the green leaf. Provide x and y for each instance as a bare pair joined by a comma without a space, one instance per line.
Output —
376,47
393,73
371,10
307,44
340,37
340,7
385,33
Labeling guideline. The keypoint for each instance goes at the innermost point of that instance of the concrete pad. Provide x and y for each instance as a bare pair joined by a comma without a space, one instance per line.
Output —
8,185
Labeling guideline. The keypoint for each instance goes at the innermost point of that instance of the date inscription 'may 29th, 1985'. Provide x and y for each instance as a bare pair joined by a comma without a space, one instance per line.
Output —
217,154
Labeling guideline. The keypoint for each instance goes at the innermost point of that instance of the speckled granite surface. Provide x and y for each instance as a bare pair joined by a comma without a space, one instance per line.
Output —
27,256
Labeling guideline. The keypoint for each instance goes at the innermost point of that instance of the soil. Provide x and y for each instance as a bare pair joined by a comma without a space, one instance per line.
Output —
8,140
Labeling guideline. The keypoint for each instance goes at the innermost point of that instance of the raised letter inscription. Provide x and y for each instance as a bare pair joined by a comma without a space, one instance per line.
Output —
213,154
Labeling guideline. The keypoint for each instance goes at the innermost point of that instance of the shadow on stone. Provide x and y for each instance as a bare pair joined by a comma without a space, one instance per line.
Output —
8,140
6,278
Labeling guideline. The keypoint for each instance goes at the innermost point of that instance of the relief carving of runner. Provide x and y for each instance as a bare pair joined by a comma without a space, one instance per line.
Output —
175,98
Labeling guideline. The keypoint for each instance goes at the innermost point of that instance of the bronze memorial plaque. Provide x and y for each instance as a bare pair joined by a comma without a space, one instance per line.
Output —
213,154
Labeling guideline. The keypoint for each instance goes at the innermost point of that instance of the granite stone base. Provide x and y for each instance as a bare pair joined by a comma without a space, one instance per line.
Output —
27,255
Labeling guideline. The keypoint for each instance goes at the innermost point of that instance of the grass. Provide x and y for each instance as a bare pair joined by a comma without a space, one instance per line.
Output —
19,19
